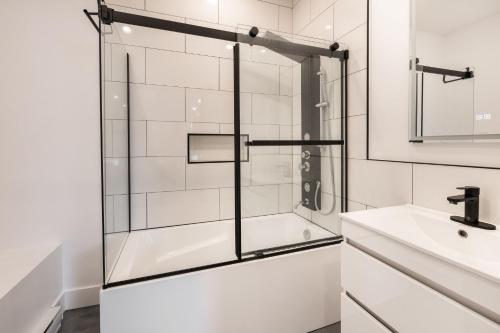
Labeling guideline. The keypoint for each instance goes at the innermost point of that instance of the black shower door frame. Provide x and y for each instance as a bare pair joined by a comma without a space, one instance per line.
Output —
108,16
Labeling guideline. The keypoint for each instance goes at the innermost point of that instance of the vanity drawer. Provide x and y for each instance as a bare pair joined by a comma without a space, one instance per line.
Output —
403,303
356,320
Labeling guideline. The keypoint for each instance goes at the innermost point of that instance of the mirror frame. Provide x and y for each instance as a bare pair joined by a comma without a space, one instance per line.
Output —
413,122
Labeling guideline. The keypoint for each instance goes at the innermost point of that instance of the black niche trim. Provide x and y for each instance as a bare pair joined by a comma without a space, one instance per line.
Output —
190,135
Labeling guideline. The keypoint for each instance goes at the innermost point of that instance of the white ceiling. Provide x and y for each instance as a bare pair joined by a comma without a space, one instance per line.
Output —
445,16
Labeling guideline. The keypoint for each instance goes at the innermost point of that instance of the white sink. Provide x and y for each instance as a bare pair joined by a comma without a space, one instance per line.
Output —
427,245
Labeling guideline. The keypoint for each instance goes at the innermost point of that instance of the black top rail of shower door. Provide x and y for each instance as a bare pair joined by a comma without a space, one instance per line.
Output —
460,75
109,15
467,74
262,143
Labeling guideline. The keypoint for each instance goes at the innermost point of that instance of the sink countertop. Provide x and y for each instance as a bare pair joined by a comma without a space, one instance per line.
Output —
432,232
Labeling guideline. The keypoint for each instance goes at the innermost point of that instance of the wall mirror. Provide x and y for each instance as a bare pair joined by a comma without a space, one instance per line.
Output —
454,70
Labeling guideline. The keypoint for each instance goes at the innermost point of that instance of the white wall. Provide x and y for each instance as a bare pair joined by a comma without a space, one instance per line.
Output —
375,183
379,183
459,108
50,125
49,133
448,109
475,46
389,97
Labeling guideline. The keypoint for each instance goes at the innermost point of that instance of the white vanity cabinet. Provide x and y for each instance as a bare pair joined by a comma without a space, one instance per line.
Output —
384,292
356,319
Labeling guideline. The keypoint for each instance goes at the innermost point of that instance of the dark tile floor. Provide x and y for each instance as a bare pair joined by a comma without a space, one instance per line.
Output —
86,320
335,328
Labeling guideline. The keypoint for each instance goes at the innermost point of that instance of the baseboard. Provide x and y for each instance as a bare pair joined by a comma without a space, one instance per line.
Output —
80,297
56,315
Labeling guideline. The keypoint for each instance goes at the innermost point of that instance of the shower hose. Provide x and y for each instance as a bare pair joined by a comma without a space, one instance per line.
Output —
327,130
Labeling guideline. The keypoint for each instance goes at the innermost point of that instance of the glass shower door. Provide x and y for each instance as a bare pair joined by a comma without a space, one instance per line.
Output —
168,163
290,190
115,145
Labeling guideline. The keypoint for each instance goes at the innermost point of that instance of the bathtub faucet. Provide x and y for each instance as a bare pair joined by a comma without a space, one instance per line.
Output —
305,201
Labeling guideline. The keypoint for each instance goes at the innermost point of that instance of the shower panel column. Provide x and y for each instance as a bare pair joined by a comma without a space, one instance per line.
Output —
311,130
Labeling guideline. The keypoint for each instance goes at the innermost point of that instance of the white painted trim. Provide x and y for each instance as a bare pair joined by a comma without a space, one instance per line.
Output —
68,300
51,321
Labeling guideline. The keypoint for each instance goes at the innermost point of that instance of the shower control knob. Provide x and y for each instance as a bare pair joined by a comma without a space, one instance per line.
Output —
307,187
306,166
306,154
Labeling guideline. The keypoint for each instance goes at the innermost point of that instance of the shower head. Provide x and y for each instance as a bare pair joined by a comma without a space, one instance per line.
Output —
322,105
321,73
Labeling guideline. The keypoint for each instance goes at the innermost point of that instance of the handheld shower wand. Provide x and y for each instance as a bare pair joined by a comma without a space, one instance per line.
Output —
323,105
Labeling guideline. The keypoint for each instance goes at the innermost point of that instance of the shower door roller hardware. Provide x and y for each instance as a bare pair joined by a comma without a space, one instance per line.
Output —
306,154
307,187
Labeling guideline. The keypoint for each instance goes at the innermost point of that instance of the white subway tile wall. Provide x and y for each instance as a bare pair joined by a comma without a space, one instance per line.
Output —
139,4
249,12
182,69
374,184
119,62
348,15
320,27
195,9
183,84
182,207
157,103
343,21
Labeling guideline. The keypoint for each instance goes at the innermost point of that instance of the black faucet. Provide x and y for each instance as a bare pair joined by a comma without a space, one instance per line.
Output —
471,200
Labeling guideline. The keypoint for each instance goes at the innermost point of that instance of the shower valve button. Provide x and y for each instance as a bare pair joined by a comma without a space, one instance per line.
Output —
305,166
306,154
307,187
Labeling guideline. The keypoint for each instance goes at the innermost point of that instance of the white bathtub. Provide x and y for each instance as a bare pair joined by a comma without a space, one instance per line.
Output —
295,292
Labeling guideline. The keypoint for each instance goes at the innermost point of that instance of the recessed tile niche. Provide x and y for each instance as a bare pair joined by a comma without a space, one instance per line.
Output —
214,148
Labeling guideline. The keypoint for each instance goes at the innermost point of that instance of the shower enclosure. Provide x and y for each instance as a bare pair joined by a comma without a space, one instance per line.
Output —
218,146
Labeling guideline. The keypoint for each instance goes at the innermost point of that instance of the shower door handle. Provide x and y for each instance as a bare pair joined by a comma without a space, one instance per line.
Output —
270,143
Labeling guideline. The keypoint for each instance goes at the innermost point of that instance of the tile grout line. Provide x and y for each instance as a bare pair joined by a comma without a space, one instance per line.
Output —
352,30
412,185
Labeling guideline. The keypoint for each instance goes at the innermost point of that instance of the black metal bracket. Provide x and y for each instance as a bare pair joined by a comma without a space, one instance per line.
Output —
460,75
89,16
106,14
346,55
468,74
